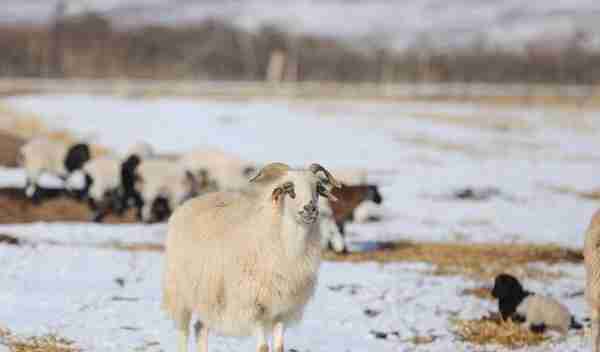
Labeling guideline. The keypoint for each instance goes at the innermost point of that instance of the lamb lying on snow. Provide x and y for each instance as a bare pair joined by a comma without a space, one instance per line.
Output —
246,262
538,312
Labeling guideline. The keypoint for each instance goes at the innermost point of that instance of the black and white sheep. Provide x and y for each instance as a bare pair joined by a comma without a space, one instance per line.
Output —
44,155
538,312
228,172
163,185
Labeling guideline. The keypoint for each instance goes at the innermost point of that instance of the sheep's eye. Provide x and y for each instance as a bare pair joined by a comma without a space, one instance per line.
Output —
288,188
321,190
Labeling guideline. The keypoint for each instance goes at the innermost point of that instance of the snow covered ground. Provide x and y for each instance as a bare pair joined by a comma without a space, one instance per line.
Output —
420,154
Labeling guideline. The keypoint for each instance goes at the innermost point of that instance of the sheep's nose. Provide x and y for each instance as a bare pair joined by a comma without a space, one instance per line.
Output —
310,208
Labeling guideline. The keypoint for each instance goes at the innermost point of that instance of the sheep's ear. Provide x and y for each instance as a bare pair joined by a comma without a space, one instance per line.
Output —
249,171
329,179
324,192
270,173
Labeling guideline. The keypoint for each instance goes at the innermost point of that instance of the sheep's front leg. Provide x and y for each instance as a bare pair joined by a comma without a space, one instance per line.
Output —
261,339
182,340
201,337
595,330
278,331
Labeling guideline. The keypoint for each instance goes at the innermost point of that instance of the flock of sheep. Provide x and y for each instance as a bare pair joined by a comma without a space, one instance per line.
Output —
244,256
155,185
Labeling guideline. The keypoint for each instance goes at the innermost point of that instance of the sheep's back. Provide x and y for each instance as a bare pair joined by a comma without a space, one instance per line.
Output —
45,154
542,309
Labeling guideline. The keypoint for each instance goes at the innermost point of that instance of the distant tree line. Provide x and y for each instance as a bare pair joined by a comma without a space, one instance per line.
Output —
88,46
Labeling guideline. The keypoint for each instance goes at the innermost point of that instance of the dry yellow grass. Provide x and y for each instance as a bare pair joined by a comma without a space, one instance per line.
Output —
481,261
482,292
45,343
492,330
591,194
482,121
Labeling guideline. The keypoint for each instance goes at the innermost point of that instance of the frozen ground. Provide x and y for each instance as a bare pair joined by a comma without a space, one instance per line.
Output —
420,153
74,292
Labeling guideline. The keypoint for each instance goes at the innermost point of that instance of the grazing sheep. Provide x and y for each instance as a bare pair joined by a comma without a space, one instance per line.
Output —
103,182
55,157
246,262
591,254
229,172
538,312
163,185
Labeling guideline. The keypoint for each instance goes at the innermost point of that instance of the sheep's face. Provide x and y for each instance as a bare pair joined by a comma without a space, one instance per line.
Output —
298,190
300,197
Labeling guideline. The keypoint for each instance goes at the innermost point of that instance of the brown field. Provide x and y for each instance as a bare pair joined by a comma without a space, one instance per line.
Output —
54,206
9,148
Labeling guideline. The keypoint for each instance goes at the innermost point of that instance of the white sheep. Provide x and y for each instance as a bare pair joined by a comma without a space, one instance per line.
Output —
163,184
246,262
538,312
44,155
228,171
591,254
103,185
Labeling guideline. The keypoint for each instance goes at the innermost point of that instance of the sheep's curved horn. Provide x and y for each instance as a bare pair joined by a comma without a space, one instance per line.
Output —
270,172
315,168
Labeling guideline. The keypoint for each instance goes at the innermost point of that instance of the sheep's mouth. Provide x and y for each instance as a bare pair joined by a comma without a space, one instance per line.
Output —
308,219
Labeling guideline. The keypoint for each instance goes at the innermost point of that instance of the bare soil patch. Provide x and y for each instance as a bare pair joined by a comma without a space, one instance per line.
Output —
9,149
55,205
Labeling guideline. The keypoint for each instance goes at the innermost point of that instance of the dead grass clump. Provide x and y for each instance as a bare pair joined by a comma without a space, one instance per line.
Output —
591,194
483,121
492,330
482,292
45,343
480,261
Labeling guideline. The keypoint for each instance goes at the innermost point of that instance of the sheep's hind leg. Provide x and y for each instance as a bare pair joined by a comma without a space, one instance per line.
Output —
278,331
261,339
201,337
595,330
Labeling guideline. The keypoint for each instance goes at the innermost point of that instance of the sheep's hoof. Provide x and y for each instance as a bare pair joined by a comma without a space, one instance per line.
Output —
263,348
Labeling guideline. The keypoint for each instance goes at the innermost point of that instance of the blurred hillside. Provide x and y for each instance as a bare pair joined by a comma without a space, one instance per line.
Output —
338,40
